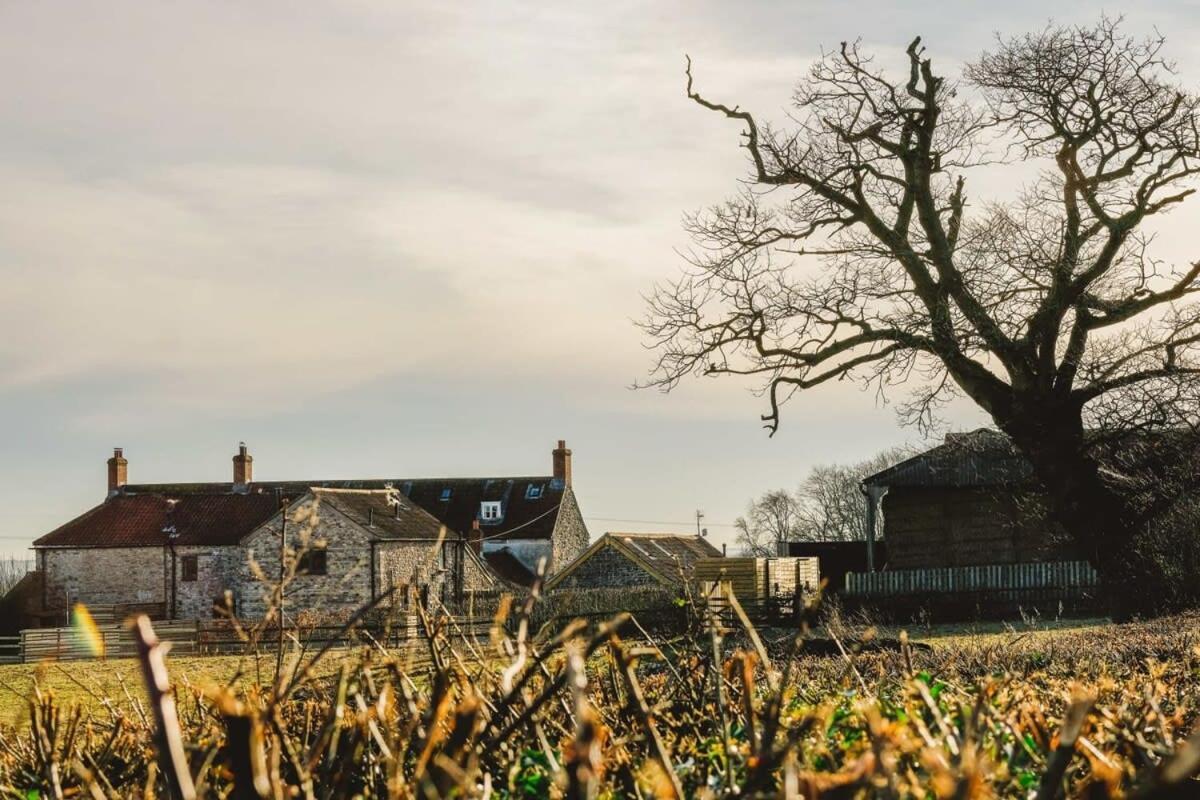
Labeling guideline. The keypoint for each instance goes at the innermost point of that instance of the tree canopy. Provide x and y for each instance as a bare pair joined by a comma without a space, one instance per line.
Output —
856,250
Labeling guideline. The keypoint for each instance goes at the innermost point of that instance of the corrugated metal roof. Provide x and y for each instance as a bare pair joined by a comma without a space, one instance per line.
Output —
666,556
980,458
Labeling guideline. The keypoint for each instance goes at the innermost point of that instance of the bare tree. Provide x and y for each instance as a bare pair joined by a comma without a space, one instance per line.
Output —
853,252
12,570
830,499
772,518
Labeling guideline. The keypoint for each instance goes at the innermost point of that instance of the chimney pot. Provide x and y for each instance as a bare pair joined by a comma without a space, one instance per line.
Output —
243,467
562,463
475,539
118,471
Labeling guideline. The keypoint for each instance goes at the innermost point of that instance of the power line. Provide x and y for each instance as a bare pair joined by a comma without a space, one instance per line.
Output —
688,524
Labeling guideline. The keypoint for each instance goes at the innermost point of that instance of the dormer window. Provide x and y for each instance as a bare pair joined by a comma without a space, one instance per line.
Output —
445,498
533,492
489,510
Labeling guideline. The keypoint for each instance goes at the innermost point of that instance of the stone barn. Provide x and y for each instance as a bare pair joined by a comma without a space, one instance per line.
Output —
635,560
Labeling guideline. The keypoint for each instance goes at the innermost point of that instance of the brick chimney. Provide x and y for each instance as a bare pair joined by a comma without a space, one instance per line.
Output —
475,537
562,463
118,471
243,467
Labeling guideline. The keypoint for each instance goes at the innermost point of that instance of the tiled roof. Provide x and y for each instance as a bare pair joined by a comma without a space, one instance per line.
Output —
153,520
385,515
528,505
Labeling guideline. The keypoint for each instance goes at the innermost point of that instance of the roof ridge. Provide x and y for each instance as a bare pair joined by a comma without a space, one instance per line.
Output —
322,481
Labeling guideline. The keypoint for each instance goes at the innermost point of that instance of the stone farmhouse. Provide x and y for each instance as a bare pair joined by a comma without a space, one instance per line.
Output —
628,560
177,549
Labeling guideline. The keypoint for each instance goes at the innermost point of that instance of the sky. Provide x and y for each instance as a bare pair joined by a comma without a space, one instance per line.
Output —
377,239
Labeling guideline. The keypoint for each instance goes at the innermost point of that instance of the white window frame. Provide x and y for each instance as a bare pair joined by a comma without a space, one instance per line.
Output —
490,510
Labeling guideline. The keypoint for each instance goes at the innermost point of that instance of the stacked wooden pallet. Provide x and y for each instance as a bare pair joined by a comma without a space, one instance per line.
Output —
755,579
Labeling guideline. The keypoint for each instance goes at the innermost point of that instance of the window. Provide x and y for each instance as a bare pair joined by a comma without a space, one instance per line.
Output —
445,498
189,566
533,492
489,510
312,562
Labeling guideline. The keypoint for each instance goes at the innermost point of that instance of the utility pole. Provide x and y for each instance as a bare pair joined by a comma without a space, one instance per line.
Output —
460,570
282,575
699,517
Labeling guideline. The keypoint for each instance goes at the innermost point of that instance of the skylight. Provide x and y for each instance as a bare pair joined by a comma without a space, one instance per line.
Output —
446,494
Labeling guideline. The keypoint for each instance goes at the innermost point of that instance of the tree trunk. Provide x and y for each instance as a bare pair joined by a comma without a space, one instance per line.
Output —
1098,518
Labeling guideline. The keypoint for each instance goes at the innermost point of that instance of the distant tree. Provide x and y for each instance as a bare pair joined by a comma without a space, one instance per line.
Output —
830,500
772,518
854,252
12,569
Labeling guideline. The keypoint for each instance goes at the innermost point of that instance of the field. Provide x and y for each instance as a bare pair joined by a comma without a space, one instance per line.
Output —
1031,710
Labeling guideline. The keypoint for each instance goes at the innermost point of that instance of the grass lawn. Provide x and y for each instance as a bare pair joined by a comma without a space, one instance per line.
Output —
118,680
950,635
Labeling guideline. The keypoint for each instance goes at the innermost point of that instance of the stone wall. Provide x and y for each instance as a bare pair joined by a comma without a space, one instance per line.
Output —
345,587
103,576
477,577
411,563
570,533
402,562
607,568
217,569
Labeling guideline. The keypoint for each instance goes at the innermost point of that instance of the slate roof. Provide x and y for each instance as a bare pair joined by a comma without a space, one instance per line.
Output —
381,514
529,505
663,555
506,564
980,458
153,520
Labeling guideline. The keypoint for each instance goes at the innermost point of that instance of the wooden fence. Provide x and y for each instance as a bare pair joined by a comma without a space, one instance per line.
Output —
1070,578
219,637
111,641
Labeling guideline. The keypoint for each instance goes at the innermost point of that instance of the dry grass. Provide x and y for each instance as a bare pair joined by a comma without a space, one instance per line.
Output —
1097,711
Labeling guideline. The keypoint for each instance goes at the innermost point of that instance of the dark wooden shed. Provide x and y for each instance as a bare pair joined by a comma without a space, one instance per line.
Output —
837,558
967,502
